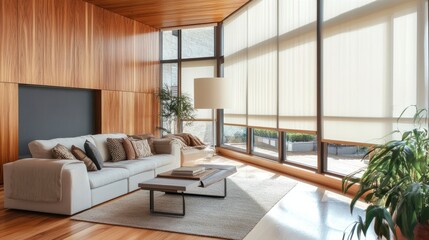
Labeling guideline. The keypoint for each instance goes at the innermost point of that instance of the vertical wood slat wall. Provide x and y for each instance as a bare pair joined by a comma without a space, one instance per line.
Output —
71,43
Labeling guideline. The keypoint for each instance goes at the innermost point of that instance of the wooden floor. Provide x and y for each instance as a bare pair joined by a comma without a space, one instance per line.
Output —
21,225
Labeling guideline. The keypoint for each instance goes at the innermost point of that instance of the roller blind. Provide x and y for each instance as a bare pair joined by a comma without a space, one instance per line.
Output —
235,66
262,64
297,64
271,63
374,64
373,67
197,69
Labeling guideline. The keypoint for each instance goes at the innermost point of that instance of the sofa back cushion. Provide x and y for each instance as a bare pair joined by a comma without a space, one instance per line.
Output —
43,148
162,146
101,143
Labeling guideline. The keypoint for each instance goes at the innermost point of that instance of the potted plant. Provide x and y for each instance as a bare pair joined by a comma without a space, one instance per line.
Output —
395,184
174,108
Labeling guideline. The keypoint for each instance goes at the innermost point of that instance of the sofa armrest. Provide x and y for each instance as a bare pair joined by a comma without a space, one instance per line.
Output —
76,192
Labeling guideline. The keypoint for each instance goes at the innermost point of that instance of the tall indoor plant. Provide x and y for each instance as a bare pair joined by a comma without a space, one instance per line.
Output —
395,184
175,107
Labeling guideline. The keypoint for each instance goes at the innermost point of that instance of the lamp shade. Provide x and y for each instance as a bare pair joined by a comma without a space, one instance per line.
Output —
211,93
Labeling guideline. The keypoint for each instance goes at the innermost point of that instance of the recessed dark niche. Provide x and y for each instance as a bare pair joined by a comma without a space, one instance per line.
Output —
53,112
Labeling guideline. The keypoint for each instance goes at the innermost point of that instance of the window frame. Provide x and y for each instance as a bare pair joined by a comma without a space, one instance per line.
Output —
180,60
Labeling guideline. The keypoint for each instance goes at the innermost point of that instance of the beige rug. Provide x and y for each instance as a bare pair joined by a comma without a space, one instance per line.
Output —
232,218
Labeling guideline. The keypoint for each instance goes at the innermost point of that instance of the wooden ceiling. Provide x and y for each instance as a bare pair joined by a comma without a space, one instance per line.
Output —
172,13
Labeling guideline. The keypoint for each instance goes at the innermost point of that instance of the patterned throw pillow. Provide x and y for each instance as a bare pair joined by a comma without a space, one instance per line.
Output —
93,153
61,152
129,149
149,137
142,148
116,149
81,155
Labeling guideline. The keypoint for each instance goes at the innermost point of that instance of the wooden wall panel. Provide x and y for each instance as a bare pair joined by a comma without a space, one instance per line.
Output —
149,113
89,45
59,44
111,111
129,112
75,44
146,58
31,31
8,124
119,52
8,41
129,115
126,65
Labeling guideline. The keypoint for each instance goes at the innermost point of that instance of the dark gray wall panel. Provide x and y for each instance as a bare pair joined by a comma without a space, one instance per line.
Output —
48,112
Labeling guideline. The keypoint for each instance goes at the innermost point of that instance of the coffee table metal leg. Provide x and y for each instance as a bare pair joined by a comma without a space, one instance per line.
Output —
153,211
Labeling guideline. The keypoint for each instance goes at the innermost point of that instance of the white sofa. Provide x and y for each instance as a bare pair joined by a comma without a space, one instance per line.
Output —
81,189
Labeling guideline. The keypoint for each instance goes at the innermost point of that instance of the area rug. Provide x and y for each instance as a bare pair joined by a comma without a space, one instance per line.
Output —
233,217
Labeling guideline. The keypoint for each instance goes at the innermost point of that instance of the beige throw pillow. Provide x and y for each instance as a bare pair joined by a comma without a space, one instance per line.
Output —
142,148
129,149
61,152
149,138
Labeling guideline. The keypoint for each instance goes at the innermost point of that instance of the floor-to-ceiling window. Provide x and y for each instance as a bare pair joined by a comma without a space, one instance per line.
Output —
372,60
188,54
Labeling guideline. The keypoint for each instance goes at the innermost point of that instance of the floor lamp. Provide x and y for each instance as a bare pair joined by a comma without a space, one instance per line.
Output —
211,93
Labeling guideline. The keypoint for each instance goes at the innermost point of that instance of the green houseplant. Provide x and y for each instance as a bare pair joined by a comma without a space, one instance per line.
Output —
396,186
174,107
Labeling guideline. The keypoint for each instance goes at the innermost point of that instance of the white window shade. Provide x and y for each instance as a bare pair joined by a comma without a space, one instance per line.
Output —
235,67
197,69
297,65
262,64
371,70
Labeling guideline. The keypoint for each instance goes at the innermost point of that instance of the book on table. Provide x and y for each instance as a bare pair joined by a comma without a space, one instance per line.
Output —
188,171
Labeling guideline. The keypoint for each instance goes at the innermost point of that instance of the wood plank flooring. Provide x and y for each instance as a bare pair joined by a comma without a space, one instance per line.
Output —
22,225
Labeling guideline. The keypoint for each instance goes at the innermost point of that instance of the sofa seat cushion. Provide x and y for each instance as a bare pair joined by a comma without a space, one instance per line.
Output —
160,159
133,166
106,176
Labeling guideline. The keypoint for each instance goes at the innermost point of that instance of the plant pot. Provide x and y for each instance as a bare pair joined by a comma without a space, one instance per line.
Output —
421,232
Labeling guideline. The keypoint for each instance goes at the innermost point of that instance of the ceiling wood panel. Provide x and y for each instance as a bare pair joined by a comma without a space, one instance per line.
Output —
172,13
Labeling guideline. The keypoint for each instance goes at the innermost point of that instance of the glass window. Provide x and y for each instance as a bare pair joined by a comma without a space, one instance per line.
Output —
265,143
380,49
198,42
301,148
197,69
170,80
169,44
235,136
345,159
169,76
202,129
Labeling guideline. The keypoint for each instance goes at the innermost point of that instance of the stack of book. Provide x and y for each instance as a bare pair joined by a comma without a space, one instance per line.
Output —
188,171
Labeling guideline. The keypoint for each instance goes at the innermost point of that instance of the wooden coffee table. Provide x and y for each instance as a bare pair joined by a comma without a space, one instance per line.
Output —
180,186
